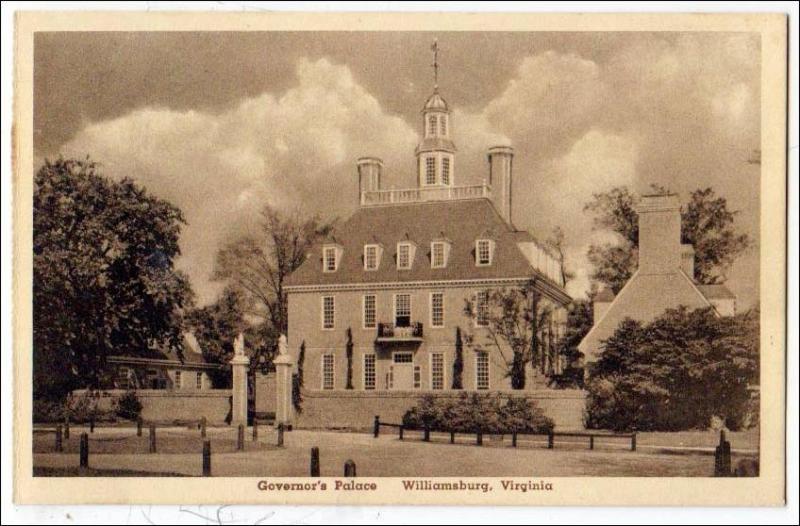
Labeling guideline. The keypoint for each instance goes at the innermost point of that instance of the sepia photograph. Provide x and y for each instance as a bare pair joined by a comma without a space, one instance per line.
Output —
469,261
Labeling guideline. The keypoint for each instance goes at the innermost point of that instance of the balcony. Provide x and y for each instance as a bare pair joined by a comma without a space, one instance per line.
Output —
388,333
421,195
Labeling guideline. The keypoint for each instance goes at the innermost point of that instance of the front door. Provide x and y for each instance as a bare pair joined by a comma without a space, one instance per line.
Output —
402,371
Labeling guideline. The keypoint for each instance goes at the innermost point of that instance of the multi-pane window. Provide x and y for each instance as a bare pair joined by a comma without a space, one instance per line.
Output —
483,252
402,310
198,380
446,170
403,256
482,309
437,254
482,370
327,371
437,309
417,377
370,318
369,372
177,379
443,126
329,259
437,371
430,170
431,125
370,257
328,312
403,357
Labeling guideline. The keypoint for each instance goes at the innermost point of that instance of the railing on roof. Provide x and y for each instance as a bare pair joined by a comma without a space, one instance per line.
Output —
418,195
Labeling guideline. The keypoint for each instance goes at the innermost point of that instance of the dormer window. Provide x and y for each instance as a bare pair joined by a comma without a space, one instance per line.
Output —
439,254
405,255
483,252
372,257
330,258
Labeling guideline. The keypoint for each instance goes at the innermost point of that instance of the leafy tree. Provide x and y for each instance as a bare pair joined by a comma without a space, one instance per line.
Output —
556,240
517,319
579,323
676,372
706,223
349,352
258,267
103,275
458,362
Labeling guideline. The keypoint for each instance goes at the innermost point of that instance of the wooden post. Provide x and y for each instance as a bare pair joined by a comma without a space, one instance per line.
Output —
376,426
722,457
452,437
591,441
350,468
152,438
550,443
139,426
314,462
280,435
255,430
84,455
91,424
206,458
426,434
66,428
59,439
633,441
203,427
513,439
479,438
401,431
240,438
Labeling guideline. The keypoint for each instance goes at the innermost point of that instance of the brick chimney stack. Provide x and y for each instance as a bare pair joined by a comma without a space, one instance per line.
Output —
659,234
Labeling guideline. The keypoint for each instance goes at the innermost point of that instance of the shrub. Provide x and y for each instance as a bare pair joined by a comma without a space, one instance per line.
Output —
469,412
675,373
128,406
84,408
48,411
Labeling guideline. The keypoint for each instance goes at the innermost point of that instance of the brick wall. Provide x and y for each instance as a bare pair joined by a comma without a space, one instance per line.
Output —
163,405
357,409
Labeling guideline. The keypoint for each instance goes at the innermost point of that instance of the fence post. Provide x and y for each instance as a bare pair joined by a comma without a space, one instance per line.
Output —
138,426
350,468
66,427
513,439
479,438
240,438
452,437
152,438
203,427
206,458
426,434
550,440
280,435
633,441
591,441
722,457
401,431
59,438
84,454
314,461
255,430
91,424
376,426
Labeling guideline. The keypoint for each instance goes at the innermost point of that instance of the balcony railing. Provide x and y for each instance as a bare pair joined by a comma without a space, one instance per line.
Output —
389,333
417,195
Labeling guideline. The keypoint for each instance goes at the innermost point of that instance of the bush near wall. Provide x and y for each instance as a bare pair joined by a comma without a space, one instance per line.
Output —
678,372
490,413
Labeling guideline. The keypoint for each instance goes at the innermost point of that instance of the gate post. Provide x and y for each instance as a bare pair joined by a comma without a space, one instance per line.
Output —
284,364
239,365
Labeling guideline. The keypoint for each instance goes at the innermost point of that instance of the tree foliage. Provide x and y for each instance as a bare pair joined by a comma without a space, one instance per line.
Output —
458,362
579,323
706,223
676,372
104,281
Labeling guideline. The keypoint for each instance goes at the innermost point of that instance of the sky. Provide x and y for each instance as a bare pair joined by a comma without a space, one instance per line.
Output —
221,123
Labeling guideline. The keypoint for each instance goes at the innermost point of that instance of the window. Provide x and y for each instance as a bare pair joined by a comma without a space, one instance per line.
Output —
177,379
370,257
482,370
417,377
443,126
446,170
198,381
402,310
329,259
327,372
482,309
328,312
430,170
437,254
431,125
404,256
437,309
369,372
403,357
369,312
437,371
483,252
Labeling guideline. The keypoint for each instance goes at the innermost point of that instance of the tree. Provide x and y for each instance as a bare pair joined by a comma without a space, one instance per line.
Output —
556,241
258,267
516,318
579,323
458,362
676,372
349,353
706,223
103,275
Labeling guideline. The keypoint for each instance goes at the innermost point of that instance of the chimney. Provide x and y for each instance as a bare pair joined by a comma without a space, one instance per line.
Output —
369,175
687,260
501,160
659,234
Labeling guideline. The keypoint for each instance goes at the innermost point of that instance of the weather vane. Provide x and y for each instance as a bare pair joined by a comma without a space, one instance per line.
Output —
435,65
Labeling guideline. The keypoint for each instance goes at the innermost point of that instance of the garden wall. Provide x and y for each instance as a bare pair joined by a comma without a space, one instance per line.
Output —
163,405
357,409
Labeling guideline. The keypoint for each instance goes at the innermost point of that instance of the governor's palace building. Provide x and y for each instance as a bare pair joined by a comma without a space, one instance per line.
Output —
394,280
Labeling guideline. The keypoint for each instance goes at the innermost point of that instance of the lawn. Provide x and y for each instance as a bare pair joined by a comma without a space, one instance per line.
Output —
179,452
